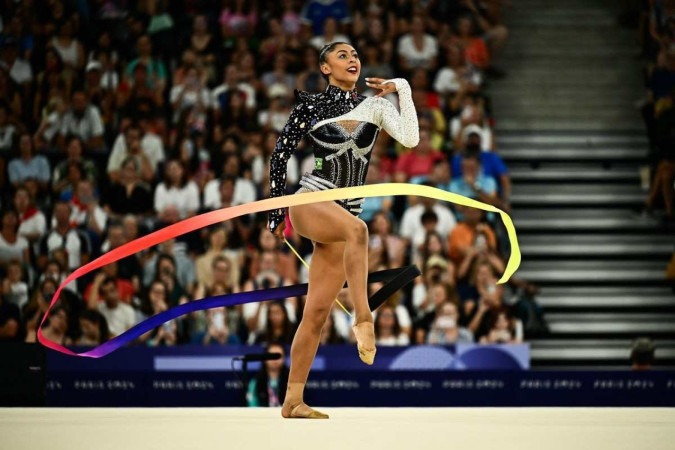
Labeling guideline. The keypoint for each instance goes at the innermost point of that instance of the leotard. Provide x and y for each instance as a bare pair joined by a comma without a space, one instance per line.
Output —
343,127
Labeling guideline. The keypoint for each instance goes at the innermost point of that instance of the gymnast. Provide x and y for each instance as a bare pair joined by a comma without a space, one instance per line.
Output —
343,126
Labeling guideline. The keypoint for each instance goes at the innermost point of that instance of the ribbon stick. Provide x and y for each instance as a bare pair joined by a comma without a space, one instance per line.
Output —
222,215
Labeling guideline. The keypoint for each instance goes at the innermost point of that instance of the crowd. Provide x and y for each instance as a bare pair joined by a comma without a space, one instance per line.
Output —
657,36
121,117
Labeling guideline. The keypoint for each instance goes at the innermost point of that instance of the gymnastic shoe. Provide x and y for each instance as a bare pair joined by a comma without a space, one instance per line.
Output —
365,341
301,411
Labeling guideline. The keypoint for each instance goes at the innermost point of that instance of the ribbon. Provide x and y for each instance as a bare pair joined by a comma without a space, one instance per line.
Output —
222,215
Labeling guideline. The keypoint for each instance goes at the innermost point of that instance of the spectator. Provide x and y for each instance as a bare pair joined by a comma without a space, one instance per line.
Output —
63,235
255,314
244,189
141,144
84,121
387,329
217,247
155,69
87,213
129,195
10,321
504,329
68,47
32,221
278,326
473,183
13,246
315,13
642,354
61,180
330,34
8,133
19,69
417,49
491,163
167,333
14,288
471,238
125,289
412,228
119,315
267,387
204,45
176,197
446,329
193,96
56,328
94,329
384,248
29,166
415,165
221,94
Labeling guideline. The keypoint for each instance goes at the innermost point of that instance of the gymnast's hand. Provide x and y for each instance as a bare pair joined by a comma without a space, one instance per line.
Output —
379,83
279,231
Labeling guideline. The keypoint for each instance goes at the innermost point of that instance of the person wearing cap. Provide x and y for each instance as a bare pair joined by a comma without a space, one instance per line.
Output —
491,165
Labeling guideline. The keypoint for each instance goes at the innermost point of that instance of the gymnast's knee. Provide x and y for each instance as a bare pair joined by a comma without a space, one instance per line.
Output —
315,318
359,232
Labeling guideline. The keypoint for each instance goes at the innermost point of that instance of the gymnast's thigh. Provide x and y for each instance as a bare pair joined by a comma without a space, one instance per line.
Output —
324,222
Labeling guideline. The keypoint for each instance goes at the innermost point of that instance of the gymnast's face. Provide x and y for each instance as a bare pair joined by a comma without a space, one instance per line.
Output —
342,65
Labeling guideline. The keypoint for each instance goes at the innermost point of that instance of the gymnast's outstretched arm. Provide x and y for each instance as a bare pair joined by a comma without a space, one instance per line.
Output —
403,127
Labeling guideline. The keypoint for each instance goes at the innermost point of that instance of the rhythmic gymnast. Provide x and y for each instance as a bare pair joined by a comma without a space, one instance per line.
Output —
343,126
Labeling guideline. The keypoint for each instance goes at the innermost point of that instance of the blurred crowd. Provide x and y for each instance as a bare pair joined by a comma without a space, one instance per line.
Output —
657,37
121,117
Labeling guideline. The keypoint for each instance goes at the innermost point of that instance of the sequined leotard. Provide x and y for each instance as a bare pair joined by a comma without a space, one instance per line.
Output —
343,127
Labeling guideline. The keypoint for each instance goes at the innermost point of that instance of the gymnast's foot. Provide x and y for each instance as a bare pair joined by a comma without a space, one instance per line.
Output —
365,341
301,411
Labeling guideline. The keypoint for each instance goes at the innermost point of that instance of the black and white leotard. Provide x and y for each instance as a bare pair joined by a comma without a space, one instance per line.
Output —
343,127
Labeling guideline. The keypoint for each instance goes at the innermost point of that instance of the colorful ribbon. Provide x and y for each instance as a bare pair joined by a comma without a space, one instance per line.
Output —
222,215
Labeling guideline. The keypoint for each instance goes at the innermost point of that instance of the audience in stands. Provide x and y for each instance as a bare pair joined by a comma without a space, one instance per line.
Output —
179,114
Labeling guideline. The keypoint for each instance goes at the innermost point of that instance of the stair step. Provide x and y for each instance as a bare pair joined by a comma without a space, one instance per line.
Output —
557,175
572,225
505,123
611,154
623,251
594,354
607,302
522,139
598,272
612,323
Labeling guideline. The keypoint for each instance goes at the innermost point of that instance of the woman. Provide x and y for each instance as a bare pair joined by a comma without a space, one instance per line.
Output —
129,195
279,327
387,328
340,250
94,328
176,197
13,246
267,387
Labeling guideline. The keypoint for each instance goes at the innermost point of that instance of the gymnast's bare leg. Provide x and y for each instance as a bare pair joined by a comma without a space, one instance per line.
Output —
340,251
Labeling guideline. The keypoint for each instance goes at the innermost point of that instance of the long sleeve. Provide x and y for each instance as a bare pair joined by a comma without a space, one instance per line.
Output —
402,127
296,128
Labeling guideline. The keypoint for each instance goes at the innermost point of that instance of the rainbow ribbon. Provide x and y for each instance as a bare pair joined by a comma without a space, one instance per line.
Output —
222,215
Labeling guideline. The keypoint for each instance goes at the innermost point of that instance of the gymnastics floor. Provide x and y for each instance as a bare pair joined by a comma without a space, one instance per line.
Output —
347,429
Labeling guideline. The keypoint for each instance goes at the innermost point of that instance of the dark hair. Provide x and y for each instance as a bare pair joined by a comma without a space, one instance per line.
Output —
106,282
325,50
429,216
99,319
642,352
396,329
287,327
